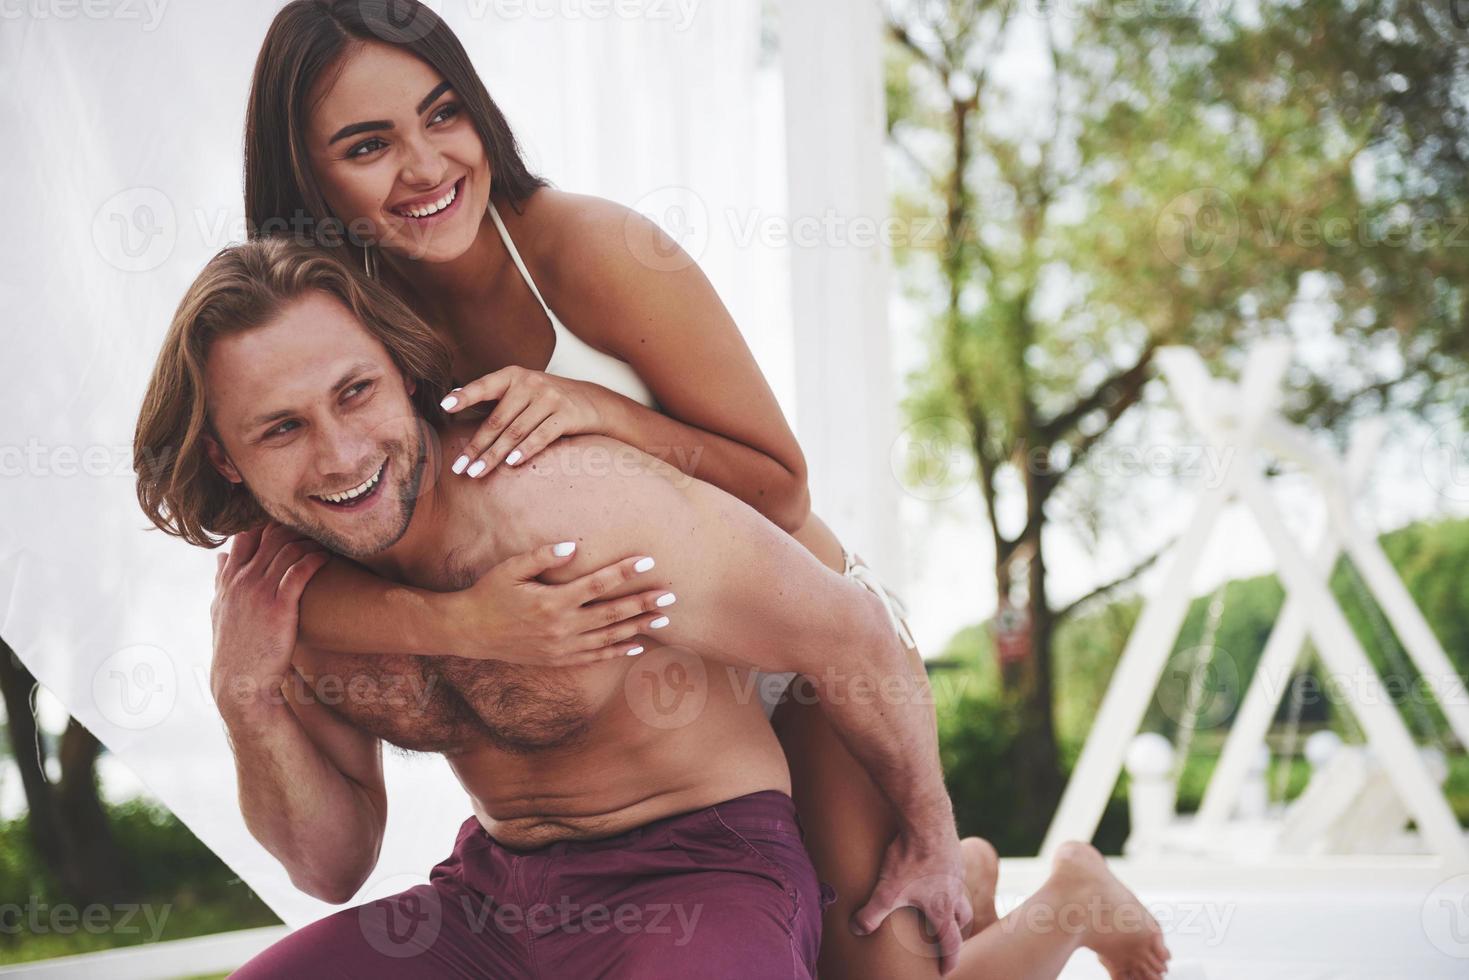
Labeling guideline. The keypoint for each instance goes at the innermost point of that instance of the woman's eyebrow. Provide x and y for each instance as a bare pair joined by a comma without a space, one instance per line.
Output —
367,127
428,100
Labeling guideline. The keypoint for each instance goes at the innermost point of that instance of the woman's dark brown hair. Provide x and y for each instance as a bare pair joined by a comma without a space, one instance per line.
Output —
309,38
242,288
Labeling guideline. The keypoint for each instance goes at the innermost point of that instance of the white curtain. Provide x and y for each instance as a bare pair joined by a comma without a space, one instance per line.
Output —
123,124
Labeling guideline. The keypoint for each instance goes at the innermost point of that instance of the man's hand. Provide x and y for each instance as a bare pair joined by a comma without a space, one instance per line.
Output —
926,873
257,594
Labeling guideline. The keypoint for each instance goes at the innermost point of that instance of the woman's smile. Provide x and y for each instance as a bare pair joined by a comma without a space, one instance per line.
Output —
430,209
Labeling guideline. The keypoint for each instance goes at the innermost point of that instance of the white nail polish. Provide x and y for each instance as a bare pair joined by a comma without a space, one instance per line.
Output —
563,549
449,402
513,458
634,651
658,623
643,564
478,467
667,599
460,463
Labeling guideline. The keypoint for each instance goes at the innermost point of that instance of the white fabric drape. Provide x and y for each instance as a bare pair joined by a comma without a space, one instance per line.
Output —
123,125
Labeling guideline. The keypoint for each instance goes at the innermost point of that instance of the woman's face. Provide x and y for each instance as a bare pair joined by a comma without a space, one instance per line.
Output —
397,156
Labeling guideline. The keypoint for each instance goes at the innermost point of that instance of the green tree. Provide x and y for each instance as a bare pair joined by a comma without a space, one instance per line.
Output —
1114,177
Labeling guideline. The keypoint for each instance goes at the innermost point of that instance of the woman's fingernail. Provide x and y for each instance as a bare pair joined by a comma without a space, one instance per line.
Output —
667,599
658,623
643,564
513,458
478,467
563,549
634,651
460,463
449,402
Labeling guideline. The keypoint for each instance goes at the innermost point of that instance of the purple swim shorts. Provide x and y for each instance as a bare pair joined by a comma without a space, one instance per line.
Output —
723,893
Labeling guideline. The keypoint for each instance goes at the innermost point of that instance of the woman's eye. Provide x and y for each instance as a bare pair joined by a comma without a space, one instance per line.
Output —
445,113
365,147
359,387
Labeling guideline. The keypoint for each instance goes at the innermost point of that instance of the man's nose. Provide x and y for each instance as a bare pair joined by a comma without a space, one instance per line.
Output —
342,453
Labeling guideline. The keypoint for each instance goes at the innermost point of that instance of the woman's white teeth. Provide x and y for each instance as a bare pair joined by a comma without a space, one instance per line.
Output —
357,491
436,207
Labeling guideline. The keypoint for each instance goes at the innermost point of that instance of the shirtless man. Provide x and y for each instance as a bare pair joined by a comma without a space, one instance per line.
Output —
296,394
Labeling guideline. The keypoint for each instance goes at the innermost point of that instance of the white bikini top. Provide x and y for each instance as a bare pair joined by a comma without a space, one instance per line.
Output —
573,357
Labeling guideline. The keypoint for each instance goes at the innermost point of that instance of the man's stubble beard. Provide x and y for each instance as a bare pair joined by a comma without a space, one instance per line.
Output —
409,465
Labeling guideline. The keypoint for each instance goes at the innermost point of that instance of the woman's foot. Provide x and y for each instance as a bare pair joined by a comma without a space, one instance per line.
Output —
981,874
1115,925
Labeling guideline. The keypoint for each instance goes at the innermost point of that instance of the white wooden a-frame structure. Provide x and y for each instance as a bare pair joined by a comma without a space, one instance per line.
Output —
1241,421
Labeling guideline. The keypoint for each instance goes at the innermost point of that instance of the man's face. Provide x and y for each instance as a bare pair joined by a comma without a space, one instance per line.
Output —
315,420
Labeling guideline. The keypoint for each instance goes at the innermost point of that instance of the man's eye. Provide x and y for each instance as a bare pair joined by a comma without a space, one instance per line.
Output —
366,147
282,429
358,388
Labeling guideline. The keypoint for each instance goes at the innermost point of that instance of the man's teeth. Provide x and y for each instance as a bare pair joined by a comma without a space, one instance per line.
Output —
356,491
425,210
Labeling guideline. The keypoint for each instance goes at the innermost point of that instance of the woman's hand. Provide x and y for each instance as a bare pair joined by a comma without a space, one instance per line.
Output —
257,595
534,409
509,615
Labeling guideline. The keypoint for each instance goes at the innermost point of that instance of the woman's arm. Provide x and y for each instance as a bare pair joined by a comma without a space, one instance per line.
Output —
622,285
508,614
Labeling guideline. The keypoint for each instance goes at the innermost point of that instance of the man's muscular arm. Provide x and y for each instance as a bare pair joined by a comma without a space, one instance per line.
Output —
311,786
749,595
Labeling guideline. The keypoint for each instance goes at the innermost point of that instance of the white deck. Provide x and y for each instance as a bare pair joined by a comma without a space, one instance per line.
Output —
1365,919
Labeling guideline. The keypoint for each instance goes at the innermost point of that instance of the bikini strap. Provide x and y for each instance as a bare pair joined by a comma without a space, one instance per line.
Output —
519,262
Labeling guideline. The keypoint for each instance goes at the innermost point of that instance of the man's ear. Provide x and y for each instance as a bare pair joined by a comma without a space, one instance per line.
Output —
409,384
221,460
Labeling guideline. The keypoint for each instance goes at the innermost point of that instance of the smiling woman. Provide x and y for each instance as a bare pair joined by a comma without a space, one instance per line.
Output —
290,169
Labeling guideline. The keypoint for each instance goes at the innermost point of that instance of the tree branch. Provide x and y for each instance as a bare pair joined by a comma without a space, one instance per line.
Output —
1116,583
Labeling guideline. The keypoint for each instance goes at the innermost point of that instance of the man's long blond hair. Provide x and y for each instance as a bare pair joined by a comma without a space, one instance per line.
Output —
242,288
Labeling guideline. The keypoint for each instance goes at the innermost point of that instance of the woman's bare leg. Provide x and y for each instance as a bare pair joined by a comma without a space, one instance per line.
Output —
1081,904
849,824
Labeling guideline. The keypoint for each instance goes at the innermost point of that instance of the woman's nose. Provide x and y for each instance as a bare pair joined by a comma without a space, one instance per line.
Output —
424,165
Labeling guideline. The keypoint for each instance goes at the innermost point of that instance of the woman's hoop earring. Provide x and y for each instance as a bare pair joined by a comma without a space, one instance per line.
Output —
369,262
